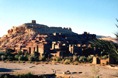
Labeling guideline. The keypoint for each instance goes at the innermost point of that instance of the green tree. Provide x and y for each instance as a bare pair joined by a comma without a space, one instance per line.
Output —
10,58
82,59
16,57
108,47
30,58
3,57
21,58
20,52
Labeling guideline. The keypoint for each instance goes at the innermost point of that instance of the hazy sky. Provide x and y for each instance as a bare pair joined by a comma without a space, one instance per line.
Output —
93,16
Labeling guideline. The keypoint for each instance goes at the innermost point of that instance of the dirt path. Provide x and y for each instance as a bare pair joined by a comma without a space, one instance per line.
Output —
81,70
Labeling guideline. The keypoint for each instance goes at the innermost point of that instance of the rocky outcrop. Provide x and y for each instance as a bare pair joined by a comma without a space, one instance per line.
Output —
23,34
33,37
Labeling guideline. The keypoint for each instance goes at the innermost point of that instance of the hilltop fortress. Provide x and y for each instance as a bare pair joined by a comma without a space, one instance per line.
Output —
54,41
38,28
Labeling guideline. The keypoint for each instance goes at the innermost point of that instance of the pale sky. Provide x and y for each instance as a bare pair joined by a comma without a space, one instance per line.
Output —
94,16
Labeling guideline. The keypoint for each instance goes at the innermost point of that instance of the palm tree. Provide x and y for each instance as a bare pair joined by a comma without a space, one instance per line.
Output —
108,47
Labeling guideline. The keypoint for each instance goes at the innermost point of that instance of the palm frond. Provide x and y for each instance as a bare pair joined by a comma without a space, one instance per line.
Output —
116,19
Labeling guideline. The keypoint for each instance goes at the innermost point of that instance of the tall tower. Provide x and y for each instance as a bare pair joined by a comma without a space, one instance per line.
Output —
33,21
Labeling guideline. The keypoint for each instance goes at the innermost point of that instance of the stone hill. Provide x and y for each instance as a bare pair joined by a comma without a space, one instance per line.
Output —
44,29
29,31
31,37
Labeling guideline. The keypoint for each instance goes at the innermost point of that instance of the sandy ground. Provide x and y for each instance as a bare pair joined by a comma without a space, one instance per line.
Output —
82,70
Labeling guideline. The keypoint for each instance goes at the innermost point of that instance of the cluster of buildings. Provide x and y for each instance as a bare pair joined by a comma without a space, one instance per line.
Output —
50,41
54,41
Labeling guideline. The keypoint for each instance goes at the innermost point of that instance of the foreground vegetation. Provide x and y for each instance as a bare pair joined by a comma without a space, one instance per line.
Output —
28,75
107,47
21,57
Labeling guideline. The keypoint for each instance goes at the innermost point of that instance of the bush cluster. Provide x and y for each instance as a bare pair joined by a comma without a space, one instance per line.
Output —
9,56
20,56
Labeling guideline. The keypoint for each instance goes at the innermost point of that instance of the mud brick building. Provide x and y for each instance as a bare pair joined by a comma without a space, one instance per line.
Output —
54,41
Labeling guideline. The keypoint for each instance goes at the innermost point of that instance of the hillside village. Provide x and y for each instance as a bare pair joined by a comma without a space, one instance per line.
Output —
33,47
54,41
59,39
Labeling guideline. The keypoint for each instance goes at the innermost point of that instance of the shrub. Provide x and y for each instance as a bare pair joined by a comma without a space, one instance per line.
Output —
75,63
25,57
82,59
30,58
28,75
36,58
90,58
33,57
3,57
42,58
10,58
6,76
75,58
57,59
69,58
104,57
20,53
16,57
21,58
67,61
